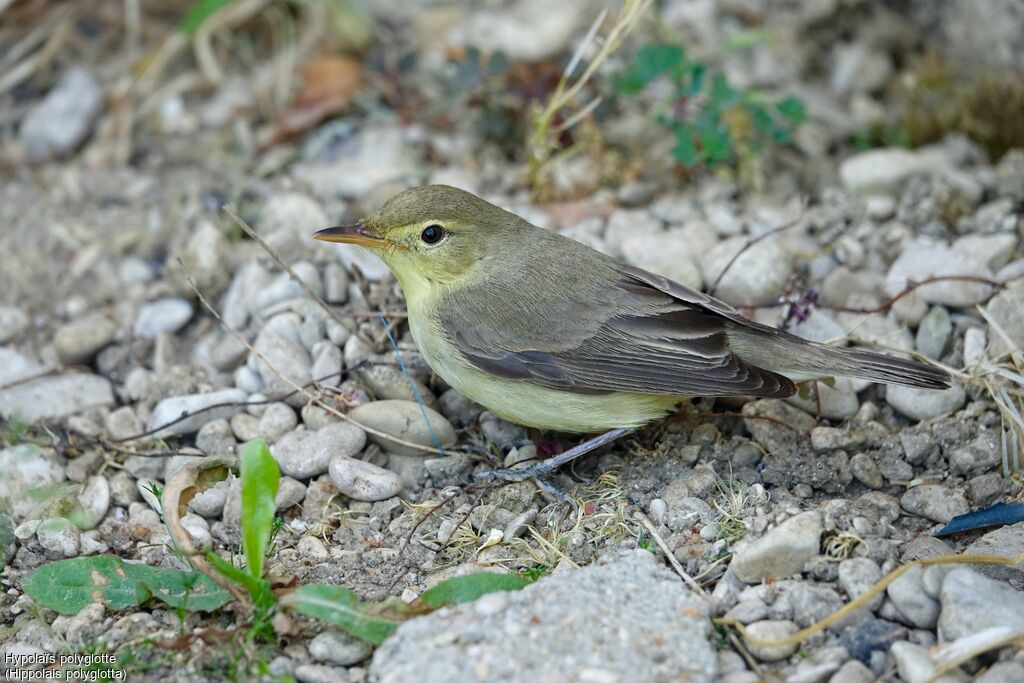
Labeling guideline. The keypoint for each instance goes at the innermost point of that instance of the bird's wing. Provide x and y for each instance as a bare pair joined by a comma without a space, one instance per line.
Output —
640,333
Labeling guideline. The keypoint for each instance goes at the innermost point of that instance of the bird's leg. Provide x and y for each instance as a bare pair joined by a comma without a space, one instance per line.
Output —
544,469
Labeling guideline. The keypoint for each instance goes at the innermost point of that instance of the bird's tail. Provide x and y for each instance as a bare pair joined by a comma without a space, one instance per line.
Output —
799,359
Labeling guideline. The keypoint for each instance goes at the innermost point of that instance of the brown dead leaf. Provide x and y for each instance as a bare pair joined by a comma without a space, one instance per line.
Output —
329,82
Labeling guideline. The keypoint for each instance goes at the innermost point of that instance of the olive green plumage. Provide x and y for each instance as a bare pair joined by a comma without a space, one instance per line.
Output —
549,333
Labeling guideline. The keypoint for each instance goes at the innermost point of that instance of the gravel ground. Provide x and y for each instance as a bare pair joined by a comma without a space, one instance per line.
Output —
782,511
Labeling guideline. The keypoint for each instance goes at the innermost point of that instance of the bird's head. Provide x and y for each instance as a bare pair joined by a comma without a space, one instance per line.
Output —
432,234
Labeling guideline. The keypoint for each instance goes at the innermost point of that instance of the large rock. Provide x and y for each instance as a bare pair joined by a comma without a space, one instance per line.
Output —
920,261
173,407
303,454
757,276
972,602
404,420
925,404
783,551
651,628
884,171
53,398
1007,541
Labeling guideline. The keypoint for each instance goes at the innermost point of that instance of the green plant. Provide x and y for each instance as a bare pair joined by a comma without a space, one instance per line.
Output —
67,586
713,122
260,477
374,623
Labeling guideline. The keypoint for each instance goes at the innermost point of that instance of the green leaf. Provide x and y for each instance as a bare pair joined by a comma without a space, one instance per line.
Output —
69,585
470,587
341,607
260,477
650,62
723,94
198,13
684,151
791,108
189,590
714,144
695,83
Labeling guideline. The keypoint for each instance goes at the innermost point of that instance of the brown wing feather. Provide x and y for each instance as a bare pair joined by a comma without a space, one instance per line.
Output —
642,334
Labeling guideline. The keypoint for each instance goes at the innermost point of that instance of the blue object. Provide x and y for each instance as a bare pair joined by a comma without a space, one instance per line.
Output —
999,514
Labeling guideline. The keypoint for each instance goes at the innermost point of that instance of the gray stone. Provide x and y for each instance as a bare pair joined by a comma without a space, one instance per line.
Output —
866,470
975,342
837,402
327,363
461,411
782,551
920,261
1007,541
123,423
79,341
915,666
13,322
173,407
53,398
93,501
390,383
853,671
277,420
994,251
972,602
935,502
404,420
857,575
978,456
60,536
766,421
25,468
284,354
163,315
934,332
286,222
216,438
361,480
289,492
549,627
858,67
339,648
246,427
1005,308
757,276
1002,672
908,595
379,156
669,254
925,404
771,630
513,28
302,454
62,120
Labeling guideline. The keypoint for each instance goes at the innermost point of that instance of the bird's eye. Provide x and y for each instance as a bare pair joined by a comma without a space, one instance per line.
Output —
432,234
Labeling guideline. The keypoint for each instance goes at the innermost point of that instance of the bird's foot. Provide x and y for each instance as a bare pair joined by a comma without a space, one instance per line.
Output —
543,470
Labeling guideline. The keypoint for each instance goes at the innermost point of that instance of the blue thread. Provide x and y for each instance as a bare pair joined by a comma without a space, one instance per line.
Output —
412,385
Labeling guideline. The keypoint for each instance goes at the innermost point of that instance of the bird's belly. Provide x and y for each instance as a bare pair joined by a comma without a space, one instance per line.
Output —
536,406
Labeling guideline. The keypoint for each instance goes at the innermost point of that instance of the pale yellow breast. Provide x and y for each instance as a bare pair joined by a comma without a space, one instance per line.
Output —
522,402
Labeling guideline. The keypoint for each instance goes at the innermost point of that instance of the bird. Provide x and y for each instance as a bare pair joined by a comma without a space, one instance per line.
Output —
548,333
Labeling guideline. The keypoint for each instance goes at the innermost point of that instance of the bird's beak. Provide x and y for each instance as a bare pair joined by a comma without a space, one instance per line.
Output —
357,233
